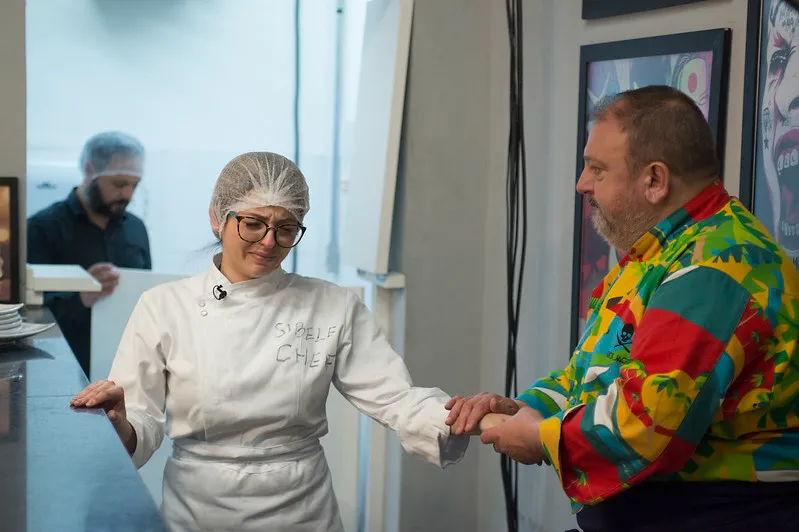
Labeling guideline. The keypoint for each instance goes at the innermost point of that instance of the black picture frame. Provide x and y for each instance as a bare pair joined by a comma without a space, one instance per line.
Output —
754,12
715,42
10,281
595,9
754,188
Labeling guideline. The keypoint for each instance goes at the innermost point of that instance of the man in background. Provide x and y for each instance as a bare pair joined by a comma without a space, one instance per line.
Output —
93,229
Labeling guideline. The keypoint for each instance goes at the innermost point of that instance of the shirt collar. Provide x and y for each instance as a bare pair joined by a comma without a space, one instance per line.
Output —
703,205
244,289
74,204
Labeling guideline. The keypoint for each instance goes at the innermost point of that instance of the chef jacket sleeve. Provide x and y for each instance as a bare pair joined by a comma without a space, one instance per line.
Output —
373,377
139,368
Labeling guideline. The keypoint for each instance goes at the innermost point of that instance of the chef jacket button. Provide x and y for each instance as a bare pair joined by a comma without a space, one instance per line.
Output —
204,312
202,302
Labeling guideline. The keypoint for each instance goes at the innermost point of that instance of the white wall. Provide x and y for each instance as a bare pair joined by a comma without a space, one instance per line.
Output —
451,244
198,83
542,504
439,235
12,163
12,100
553,34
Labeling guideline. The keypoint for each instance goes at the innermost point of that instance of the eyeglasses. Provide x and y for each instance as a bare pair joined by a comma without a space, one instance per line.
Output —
251,229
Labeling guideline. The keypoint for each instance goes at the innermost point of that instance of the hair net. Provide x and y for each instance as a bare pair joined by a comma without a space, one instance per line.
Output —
259,179
100,149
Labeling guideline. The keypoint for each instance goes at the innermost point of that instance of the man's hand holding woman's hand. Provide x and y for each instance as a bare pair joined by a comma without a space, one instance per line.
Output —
467,414
511,426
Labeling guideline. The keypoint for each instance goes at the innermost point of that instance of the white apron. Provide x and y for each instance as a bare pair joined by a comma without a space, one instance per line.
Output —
240,385
288,492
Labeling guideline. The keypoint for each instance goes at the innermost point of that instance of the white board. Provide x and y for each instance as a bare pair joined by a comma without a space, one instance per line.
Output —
366,228
110,316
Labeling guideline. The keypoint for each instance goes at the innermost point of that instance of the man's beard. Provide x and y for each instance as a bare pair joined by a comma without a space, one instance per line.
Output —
114,210
624,230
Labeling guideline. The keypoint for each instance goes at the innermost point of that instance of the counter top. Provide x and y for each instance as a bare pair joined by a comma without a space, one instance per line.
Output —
62,469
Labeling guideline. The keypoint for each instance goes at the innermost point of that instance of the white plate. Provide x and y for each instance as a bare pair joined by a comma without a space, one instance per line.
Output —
27,329
10,308
8,327
5,319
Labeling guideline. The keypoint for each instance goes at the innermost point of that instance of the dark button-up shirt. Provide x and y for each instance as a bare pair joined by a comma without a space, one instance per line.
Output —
63,234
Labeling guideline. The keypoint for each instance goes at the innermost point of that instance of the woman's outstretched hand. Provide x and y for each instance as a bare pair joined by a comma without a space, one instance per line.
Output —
107,395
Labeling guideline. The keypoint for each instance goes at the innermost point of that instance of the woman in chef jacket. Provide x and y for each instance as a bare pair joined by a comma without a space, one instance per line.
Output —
236,363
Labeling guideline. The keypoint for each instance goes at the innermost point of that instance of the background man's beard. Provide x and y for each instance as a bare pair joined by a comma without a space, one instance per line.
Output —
112,210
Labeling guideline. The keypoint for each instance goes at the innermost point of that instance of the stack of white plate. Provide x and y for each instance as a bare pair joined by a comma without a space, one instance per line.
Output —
13,327
10,320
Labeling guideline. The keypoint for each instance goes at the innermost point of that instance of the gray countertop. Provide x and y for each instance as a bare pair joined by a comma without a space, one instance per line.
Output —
62,469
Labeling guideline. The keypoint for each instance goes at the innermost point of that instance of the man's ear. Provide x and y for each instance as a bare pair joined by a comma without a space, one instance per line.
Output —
657,182
88,171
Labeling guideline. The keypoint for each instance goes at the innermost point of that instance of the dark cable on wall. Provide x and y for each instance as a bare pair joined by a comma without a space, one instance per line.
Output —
516,224
297,67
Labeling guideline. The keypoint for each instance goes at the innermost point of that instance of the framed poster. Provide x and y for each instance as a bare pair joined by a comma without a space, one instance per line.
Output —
770,146
696,63
593,9
10,281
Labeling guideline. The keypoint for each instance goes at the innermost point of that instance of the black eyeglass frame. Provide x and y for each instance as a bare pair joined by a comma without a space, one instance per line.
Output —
239,218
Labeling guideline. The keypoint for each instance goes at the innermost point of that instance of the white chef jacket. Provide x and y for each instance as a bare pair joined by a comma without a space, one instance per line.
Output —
241,384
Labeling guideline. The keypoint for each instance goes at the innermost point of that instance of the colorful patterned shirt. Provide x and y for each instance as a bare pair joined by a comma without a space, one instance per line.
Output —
688,367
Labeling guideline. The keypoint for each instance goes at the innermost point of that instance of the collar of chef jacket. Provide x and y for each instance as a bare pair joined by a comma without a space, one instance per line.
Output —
245,290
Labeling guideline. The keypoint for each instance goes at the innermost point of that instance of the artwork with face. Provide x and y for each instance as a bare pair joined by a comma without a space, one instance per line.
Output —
775,187
692,63
9,242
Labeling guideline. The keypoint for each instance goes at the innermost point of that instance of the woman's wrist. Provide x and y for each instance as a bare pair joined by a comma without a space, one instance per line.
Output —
128,437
